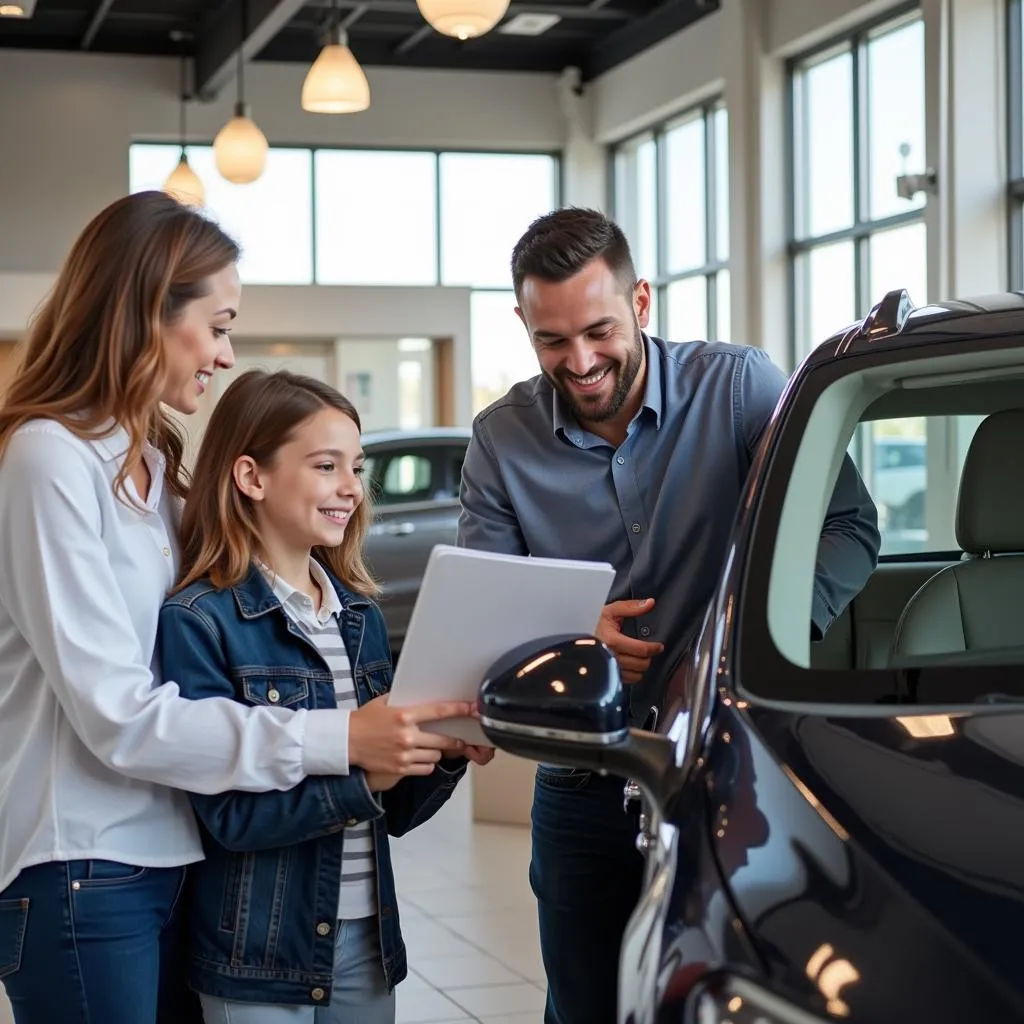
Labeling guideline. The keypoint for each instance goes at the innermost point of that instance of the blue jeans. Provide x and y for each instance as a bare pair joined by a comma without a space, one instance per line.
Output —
94,942
587,875
360,994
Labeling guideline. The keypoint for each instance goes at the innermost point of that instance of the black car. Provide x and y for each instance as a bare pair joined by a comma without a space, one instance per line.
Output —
834,831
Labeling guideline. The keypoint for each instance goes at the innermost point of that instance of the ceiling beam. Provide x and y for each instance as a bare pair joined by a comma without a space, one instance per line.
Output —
642,33
94,24
219,37
593,12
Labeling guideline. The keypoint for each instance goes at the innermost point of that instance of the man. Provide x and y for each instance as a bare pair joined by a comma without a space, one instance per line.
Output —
631,450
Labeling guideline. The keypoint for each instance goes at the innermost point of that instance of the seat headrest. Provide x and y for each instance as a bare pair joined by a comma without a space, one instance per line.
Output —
990,507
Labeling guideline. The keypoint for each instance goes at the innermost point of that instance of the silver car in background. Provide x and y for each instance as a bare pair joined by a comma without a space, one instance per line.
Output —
413,478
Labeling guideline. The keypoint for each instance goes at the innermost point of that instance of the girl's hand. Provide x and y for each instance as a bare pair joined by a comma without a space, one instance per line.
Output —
378,782
388,741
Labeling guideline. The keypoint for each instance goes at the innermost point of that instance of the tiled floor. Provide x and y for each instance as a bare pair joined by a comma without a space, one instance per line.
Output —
469,921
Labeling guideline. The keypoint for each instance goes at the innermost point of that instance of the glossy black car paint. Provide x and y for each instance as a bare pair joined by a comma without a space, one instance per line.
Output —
862,873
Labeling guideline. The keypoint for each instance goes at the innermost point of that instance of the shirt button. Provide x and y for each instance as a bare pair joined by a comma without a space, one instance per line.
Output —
645,631
317,994
636,527
621,461
273,696
323,928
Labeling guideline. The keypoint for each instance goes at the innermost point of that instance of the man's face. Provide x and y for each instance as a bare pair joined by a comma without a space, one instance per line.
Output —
586,333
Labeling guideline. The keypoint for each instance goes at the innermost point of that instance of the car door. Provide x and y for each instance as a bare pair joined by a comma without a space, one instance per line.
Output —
416,508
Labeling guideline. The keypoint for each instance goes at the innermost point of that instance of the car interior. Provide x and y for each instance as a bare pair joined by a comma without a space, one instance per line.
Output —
945,601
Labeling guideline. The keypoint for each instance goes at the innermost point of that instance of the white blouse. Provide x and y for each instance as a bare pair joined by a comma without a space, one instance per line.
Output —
89,740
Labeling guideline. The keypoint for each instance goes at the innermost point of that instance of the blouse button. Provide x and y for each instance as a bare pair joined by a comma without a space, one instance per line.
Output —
167,552
273,696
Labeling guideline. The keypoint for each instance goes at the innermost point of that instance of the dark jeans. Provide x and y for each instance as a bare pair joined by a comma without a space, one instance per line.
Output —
587,876
95,942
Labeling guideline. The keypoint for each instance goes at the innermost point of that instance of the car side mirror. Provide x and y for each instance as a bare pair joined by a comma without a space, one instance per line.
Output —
561,700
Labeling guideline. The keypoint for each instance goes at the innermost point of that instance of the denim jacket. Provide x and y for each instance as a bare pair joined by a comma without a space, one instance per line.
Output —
263,904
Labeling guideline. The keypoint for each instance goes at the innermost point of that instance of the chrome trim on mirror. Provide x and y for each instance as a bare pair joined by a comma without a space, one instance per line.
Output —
562,735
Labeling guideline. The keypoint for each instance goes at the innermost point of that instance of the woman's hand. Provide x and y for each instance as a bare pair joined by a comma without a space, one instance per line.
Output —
384,740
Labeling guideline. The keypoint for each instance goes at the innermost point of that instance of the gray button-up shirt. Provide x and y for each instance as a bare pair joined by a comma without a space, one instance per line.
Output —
661,506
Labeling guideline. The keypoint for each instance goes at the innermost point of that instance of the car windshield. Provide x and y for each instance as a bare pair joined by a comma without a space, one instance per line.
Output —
935,439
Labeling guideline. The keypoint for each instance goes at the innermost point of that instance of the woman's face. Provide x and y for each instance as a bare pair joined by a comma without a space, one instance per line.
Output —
199,343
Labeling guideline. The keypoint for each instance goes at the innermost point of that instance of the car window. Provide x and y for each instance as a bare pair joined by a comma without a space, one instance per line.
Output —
953,634
398,477
911,465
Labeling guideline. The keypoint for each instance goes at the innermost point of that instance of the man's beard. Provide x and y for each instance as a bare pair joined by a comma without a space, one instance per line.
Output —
595,409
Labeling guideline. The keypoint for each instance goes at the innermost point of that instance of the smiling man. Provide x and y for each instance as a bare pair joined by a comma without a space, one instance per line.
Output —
635,451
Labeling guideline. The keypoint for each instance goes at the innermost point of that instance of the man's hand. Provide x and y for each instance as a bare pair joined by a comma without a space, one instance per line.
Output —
384,740
633,656
478,755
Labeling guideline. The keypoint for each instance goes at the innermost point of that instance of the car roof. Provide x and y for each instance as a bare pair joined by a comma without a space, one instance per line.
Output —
898,325
422,434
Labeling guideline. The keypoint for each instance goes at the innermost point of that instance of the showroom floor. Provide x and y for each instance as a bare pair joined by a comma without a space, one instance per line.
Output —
469,921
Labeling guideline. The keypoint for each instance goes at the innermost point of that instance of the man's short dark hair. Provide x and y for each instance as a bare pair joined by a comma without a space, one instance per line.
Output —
559,245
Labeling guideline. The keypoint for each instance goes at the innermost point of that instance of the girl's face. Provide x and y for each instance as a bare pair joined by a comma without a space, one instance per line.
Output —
197,344
306,497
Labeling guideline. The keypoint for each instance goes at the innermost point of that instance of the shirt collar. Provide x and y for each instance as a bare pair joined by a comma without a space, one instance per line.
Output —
563,421
115,442
300,603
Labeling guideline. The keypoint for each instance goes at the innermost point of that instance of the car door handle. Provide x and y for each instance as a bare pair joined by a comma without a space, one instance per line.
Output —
399,529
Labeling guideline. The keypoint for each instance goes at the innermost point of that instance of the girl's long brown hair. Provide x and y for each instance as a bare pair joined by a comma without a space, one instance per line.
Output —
258,414
94,350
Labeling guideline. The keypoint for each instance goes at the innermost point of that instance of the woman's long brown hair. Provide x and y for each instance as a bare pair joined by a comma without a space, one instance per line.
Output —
258,414
94,350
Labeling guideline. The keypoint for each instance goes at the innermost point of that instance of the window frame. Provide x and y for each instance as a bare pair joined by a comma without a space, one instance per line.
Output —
558,172
1015,142
864,227
713,263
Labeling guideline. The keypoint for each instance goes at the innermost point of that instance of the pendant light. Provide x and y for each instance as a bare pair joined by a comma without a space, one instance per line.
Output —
240,148
335,84
463,19
184,184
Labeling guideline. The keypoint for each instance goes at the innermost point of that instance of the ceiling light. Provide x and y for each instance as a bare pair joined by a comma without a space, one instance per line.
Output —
463,19
240,148
12,11
185,185
335,84
529,24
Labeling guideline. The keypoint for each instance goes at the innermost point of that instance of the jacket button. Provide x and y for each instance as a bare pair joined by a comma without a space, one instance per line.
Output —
323,928
350,822
273,696
317,994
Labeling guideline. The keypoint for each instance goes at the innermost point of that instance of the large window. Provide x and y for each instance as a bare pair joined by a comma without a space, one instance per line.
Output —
671,190
1015,109
858,122
386,217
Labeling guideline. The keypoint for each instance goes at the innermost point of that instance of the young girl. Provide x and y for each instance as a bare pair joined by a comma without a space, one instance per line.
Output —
292,914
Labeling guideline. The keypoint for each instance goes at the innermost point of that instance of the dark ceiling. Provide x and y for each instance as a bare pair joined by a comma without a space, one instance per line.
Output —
593,35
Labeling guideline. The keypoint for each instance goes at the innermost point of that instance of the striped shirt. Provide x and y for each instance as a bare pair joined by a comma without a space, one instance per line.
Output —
358,895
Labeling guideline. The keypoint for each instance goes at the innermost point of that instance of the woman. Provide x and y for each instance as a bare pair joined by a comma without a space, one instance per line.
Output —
93,843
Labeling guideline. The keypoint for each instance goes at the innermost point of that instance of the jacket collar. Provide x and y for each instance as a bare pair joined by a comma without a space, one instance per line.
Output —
255,597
